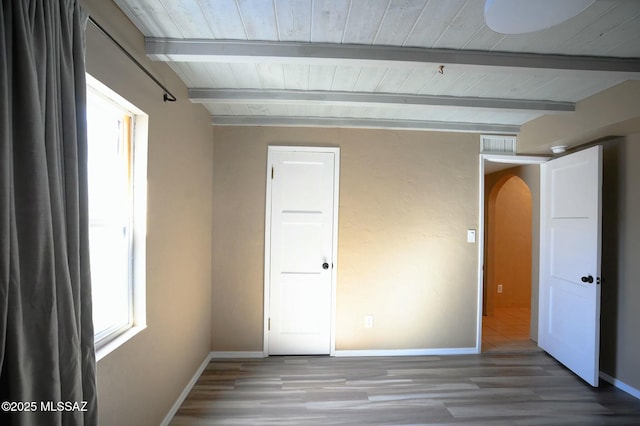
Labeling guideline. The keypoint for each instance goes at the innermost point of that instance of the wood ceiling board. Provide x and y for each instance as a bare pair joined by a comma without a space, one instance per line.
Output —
187,74
329,18
577,89
258,19
150,17
455,24
398,22
221,75
462,27
293,20
271,76
467,85
364,20
535,84
435,19
245,75
552,40
593,32
387,46
296,77
369,79
321,77
345,78
484,39
600,35
188,18
224,19
394,80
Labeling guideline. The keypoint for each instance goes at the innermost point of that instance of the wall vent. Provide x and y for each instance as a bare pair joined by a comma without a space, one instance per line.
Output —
497,144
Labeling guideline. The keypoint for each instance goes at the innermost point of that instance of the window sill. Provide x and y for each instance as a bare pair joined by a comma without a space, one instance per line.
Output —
106,348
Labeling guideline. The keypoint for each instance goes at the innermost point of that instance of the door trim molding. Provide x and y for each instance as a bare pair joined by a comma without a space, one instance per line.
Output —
514,160
267,239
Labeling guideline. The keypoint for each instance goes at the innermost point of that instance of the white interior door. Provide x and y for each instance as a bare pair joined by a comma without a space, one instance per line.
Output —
302,205
570,231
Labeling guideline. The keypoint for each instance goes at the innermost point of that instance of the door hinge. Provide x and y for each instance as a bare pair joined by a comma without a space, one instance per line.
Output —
272,172
269,324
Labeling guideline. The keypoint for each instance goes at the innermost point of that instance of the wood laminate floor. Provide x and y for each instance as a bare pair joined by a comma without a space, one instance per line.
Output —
487,389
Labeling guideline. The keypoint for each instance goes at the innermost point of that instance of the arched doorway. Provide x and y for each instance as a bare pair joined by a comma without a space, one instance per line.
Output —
507,280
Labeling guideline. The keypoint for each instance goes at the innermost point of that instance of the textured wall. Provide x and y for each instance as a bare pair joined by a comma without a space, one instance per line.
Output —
140,381
406,201
509,232
620,346
612,112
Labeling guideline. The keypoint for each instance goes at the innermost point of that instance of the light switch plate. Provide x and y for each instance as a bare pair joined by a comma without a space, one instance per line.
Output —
368,321
471,235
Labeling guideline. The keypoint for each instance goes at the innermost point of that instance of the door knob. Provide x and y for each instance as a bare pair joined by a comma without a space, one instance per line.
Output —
587,279
325,265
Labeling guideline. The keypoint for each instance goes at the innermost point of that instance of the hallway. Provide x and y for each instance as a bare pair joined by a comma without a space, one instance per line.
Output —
507,331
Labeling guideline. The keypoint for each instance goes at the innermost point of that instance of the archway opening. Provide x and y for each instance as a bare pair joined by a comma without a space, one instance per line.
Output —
507,283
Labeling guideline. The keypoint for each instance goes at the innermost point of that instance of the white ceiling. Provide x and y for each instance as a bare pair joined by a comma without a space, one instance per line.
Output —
376,63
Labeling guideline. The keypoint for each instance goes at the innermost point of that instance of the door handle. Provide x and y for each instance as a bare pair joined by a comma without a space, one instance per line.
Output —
325,265
587,279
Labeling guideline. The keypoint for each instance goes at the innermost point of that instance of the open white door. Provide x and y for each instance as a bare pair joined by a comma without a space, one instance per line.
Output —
301,250
570,234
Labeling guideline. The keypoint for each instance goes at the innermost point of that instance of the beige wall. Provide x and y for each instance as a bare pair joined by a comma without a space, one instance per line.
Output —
509,234
140,381
406,201
615,111
620,346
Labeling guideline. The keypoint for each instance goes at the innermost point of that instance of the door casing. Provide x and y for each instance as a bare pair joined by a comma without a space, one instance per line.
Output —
514,160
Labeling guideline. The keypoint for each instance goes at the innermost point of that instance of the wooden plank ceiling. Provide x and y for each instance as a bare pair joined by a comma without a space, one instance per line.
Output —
418,64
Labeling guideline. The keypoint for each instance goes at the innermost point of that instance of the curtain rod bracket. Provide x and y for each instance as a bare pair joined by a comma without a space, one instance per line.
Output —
167,96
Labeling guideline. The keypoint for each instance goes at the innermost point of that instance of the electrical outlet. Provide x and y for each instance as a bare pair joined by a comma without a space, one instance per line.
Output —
368,321
499,288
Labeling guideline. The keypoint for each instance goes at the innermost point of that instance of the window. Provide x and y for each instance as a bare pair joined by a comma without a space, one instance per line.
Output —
117,193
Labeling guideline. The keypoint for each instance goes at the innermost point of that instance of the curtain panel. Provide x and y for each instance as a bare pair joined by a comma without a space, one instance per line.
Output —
47,358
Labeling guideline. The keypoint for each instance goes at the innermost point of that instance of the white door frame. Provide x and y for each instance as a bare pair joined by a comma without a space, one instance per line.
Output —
267,239
513,160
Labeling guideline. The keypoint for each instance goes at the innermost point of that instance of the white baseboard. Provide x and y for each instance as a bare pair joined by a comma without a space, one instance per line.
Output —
176,406
620,385
239,354
406,352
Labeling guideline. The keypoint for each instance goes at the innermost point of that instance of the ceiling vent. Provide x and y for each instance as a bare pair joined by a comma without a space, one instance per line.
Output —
497,144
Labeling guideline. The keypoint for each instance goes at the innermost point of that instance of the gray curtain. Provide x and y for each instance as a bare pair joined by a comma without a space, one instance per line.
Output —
46,331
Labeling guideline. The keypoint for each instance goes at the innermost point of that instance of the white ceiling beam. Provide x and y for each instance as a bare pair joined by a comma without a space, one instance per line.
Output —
191,50
362,98
366,123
